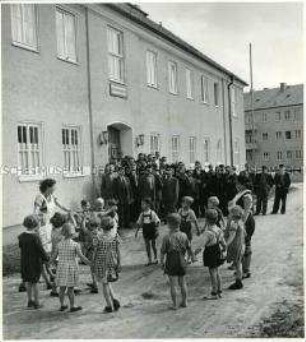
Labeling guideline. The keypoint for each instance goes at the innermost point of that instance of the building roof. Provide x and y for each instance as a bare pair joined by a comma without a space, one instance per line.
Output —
134,13
285,95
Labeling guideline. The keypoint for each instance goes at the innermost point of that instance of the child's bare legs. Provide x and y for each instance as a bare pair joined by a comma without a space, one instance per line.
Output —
154,249
94,278
239,270
29,287
45,276
35,293
62,295
214,280
71,296
148,249
172,280
107,295
219,283
183,286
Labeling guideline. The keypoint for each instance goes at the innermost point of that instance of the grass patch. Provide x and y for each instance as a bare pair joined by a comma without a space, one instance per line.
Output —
11,259
286,321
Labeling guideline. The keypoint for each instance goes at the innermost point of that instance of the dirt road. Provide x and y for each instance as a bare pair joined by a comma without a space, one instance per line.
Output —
276,276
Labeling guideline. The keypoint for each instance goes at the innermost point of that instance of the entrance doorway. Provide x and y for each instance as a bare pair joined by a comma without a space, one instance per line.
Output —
120,141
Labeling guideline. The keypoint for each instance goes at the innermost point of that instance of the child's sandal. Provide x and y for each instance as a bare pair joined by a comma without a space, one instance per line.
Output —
63,308
108,309
116,304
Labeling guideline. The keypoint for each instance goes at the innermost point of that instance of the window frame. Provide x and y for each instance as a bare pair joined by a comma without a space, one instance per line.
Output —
264,117
121,57
265,136
266,156
155,69
279,155
204,90
289,152
233,91
278,135
286,135
206,152
172,91
31,176
289,118
194,151
216,103
67,12
70,173
299,155
189,91
22,44
178,151
279,116
152,136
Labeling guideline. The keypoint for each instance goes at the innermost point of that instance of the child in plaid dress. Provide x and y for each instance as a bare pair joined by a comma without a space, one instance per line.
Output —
107,262
67,274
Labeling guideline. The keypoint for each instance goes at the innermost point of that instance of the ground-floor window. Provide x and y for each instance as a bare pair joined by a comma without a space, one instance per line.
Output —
154,143
279,155
236,152
192,149
206,150
29,148
71,149
175,147
266,156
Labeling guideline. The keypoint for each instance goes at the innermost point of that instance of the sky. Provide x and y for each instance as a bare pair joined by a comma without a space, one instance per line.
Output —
223,31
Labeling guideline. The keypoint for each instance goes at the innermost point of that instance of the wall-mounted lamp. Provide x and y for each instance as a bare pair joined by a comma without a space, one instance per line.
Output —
103,137
140,140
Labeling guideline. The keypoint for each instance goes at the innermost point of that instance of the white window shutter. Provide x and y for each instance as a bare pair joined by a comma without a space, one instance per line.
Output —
60,34
70,36
16,19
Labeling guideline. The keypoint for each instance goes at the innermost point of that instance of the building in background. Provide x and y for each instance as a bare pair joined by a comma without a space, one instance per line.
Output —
83,84
274,128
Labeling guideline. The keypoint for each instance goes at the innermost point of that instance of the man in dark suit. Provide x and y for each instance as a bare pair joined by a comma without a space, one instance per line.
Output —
170,192
263,185
246,178
107,185
122,192
282,183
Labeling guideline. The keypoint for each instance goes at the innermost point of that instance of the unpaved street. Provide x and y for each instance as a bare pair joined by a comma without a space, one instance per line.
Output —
276,275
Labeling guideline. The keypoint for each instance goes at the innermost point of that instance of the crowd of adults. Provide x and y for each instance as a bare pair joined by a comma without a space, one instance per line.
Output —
128,181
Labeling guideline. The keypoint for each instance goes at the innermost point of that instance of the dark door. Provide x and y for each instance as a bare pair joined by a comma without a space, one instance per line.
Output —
114,147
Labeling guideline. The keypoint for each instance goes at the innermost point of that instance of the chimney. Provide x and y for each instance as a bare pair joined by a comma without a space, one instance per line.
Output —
282,87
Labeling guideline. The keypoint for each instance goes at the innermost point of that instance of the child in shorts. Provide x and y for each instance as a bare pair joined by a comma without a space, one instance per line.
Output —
213,203
149,222
174,247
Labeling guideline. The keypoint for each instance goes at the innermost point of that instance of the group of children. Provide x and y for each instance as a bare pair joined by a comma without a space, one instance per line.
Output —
92,237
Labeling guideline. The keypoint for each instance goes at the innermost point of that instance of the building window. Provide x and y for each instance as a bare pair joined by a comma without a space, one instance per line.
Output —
298,134
206,150
175,148
266,156
30,148
151,58
264,117
289,154
287,115
24,25
277,116
236,152
248,137
192,149
204,89
154,143
216,94
72,149
298,154
279,155
219,151
296,114
248,118
189,84
115,55
288,134
172,74
278,134
265,136
66,35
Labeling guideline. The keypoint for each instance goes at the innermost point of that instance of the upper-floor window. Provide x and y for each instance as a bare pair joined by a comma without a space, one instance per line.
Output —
175,147
289,154
296,114
265,136
216,94
277,116
233,101
248,118
278,134
204,89
30,148
266,156
248,136
24,25
115,55
288,134
287,115
189,84
192,149
154,143
71,149
151,59
66,35
264,117
172,77
298,154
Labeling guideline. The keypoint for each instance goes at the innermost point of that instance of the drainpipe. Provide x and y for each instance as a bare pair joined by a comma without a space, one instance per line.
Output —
230,120
92,154
224,123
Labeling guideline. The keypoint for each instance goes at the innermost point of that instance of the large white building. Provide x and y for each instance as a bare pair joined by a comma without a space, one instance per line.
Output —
83,83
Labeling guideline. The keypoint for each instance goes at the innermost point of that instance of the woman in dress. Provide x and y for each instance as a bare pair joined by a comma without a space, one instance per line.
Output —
45,205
